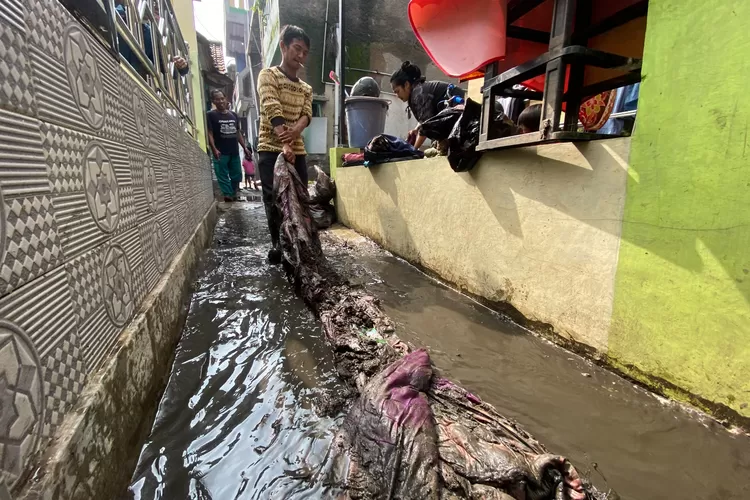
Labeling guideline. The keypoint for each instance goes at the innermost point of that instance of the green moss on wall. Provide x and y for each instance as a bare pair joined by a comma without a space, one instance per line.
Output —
357,56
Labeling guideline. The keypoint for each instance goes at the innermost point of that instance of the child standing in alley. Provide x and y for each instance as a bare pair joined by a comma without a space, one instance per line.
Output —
249,167
285,112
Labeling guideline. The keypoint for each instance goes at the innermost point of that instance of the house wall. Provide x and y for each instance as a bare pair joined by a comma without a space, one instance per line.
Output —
183,10
538,228
99,189
681,312
637,250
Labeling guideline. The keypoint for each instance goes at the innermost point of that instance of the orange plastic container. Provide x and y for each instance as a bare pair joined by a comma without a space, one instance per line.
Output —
460,37
463,36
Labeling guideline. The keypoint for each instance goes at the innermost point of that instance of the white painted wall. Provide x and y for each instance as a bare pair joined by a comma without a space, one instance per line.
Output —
397,123
316,136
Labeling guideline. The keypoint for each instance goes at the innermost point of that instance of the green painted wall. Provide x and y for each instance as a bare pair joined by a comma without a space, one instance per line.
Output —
183,11
683,282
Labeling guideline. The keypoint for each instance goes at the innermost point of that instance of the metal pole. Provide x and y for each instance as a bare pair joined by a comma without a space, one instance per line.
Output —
336,97
325,38
342,75
561,34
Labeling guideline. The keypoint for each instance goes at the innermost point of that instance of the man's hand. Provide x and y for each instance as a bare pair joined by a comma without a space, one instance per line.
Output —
288,153
248,153
180,63
412,137
290,134
281,132
217,154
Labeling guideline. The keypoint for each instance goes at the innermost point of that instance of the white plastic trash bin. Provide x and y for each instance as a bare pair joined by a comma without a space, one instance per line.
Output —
365,119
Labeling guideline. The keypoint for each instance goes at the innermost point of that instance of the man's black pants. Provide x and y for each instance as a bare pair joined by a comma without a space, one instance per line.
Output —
266,163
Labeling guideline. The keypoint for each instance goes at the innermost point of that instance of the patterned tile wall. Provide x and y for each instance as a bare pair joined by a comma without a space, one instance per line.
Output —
99,189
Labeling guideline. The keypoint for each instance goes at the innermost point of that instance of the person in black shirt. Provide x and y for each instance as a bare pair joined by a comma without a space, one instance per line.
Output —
224,137
423,97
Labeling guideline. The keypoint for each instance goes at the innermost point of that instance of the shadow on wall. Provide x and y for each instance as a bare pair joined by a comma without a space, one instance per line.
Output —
570,180
390,216
563,186
572,190
393,223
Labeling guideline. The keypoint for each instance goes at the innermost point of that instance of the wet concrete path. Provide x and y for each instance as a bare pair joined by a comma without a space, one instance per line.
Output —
240,418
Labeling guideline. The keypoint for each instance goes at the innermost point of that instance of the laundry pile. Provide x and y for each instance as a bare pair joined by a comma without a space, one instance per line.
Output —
409,432
321,193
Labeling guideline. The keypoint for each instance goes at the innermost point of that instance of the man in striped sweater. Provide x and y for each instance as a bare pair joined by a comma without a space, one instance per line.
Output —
285,112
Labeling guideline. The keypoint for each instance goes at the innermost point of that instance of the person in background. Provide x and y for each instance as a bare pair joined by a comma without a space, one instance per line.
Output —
530,119
225,138
423,97
249,167
285,112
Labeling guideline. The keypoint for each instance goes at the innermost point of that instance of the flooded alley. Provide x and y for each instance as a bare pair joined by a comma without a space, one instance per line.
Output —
242,415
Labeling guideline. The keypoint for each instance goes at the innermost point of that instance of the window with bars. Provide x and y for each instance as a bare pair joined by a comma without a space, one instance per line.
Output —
144,35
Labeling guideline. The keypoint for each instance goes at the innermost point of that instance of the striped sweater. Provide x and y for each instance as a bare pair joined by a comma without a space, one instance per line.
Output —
282,100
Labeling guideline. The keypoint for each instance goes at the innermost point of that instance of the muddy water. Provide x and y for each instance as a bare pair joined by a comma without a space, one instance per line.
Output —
622,437
241,415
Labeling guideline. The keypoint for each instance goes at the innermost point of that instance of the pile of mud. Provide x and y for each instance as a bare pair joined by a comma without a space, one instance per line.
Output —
409,433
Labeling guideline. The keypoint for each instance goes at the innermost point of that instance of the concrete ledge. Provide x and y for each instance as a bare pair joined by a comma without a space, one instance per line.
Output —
94,452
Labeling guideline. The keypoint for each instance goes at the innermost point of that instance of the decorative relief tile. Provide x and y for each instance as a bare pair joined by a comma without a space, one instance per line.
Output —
117,286
84,76
32,246
13,13
16,82
100,183
150,185
46,23
21,394
84,274
155,252
63,153
134,253
64,378
99,188
22,168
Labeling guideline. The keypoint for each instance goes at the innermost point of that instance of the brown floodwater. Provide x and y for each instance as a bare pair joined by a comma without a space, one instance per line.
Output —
241,416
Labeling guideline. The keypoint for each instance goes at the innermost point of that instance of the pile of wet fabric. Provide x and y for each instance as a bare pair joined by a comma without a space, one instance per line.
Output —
409,433
321,193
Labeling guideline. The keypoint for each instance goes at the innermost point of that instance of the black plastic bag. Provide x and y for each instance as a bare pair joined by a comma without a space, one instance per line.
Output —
323,215
324,189
464,138
439,127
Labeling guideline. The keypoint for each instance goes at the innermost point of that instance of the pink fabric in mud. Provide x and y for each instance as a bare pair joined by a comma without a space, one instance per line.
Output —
389,437
405,381
409,433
